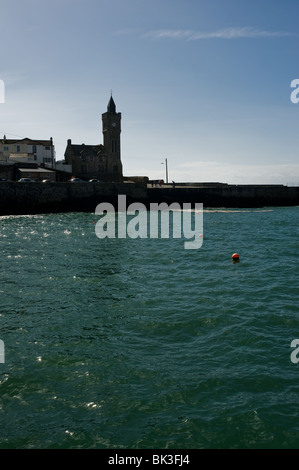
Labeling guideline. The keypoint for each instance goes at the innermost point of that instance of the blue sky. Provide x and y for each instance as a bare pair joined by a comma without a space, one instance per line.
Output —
203,83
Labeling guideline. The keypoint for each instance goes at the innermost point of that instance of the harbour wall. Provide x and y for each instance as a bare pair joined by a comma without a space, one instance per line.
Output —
37,198
34,198
225,195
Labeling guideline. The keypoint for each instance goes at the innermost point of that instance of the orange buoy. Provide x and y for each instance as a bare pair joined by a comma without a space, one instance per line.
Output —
235,256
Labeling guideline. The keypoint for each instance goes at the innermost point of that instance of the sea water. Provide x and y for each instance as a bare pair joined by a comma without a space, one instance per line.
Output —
141,344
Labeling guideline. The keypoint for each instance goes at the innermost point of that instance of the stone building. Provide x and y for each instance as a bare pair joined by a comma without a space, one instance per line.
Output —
101,161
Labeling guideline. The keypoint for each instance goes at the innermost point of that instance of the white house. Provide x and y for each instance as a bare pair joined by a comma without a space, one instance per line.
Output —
41,152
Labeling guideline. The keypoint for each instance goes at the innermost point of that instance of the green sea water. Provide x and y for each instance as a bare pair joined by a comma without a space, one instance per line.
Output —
141,344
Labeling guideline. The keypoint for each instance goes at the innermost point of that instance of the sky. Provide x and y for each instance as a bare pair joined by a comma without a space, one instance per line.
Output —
205,84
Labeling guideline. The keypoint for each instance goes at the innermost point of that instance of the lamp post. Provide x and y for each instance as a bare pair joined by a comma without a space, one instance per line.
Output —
166,168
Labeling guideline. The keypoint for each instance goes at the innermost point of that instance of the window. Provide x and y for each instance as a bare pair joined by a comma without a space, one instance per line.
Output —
18,148
47,148
114,146
33,148
6,148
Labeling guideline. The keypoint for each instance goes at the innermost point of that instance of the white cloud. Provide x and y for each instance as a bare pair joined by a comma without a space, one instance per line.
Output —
227,33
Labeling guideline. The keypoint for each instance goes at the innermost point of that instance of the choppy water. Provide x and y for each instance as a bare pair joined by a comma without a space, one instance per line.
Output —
140,344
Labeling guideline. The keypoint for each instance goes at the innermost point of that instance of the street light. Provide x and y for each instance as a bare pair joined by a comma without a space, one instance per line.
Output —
166,168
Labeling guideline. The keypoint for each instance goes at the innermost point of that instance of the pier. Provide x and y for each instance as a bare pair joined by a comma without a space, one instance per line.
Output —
34,198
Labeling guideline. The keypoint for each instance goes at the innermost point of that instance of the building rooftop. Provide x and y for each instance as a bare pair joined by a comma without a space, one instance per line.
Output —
26,140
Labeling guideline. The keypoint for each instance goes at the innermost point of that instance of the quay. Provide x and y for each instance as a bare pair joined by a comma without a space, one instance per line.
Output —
226,195
54,197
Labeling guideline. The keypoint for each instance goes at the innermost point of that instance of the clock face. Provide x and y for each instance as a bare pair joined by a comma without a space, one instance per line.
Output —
114,124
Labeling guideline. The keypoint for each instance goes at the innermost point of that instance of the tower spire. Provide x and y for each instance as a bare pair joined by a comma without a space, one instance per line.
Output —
111,108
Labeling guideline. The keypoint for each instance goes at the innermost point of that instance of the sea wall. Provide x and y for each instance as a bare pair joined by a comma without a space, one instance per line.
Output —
224,195
33,198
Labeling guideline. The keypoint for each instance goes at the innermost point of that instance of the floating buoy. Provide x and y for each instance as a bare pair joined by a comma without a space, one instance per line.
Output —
235,256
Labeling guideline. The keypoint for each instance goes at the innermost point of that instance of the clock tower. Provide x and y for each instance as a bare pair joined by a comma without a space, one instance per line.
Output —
111,131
